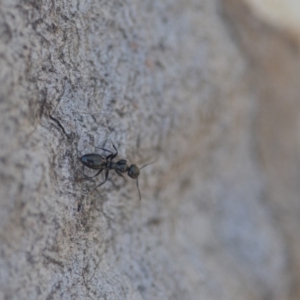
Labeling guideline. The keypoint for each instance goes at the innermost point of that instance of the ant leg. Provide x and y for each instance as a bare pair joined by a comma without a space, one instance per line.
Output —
106,176
115,147
116,153
119,173
89,177
137,185
104,149
110,156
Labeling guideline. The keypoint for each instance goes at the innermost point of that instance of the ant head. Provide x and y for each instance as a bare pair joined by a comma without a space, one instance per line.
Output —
133,171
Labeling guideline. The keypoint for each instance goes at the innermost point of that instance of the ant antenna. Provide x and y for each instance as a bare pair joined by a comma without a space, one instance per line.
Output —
137,180
137,185
151,163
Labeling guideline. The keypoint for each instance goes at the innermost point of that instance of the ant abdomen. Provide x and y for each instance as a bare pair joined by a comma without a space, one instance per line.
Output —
93,161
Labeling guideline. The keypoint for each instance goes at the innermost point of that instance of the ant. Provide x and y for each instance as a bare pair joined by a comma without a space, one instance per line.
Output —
98,162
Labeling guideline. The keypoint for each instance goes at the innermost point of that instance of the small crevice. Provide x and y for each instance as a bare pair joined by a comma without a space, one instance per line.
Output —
69,136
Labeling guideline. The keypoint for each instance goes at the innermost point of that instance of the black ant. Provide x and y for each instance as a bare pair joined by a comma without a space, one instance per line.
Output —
98,162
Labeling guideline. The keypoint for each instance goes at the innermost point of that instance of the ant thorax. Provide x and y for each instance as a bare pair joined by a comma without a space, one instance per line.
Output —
122,167
111,165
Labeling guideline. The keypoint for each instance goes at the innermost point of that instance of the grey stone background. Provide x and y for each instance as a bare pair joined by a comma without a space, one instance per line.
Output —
205,88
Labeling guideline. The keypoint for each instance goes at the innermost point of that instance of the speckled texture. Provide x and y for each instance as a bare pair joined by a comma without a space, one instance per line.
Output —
165,80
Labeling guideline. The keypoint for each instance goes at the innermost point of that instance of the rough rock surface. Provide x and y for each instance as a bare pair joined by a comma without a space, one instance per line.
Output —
204,88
